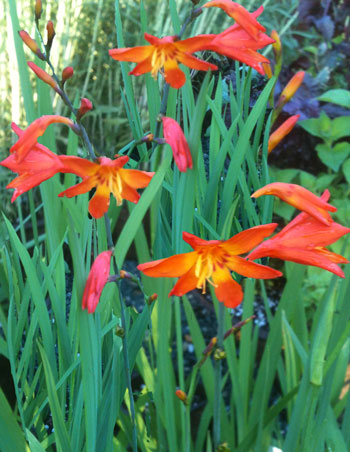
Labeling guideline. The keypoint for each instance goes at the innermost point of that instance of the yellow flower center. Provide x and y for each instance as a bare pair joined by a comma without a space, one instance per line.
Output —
161,54
111,180
208,259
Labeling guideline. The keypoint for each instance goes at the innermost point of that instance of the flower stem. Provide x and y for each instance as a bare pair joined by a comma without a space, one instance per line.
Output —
217,377
124,338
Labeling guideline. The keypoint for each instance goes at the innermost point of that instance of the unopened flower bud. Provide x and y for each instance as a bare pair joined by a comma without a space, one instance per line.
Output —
38,9
267,69
85,106
44,76
219,354
223,447
147,138
67,73
124,274
283,130
152,298
50,34
291,88
277,46
119,331
182,396
29,42
210,346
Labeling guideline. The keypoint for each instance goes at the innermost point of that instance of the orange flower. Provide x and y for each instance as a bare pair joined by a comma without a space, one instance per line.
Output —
108,176
236,43
300,198
213,261
38,165
164,55
35,130
283,130
175,137
303,241
246,20
96,281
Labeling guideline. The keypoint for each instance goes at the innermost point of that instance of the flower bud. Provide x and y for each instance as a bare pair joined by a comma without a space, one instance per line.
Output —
283,130
152,298
210,346
124,274
44,76
50,34
182,396
277,45
29,42
219,354
267,69
291,88
38,9
67,73
85,106
147,138
119,331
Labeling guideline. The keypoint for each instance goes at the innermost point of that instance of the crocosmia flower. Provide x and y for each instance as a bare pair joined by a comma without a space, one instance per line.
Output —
108,176
236,43
301,198
35,130
303,240
212,261
164,54
245,19
96,281
175,137
38,165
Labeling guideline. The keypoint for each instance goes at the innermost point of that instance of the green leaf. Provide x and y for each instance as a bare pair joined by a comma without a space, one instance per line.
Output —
11,436
340,128
333,156
346,170
319,127
336,96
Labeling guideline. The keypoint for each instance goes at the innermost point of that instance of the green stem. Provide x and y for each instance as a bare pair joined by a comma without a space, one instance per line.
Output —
124,338
217,377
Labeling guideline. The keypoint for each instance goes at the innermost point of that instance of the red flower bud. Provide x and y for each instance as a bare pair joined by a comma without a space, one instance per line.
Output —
50,33
85,106
152,298
67,73
181,395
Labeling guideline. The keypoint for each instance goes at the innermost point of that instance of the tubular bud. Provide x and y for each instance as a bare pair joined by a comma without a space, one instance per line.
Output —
29,42
44,76
152,298
291,88
182,396
38,9
277,45
50,34
283,130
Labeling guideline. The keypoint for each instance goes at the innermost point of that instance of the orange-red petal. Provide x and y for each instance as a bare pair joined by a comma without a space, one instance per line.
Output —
227,290
251,269
246,240
186,283
171,267
300,198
